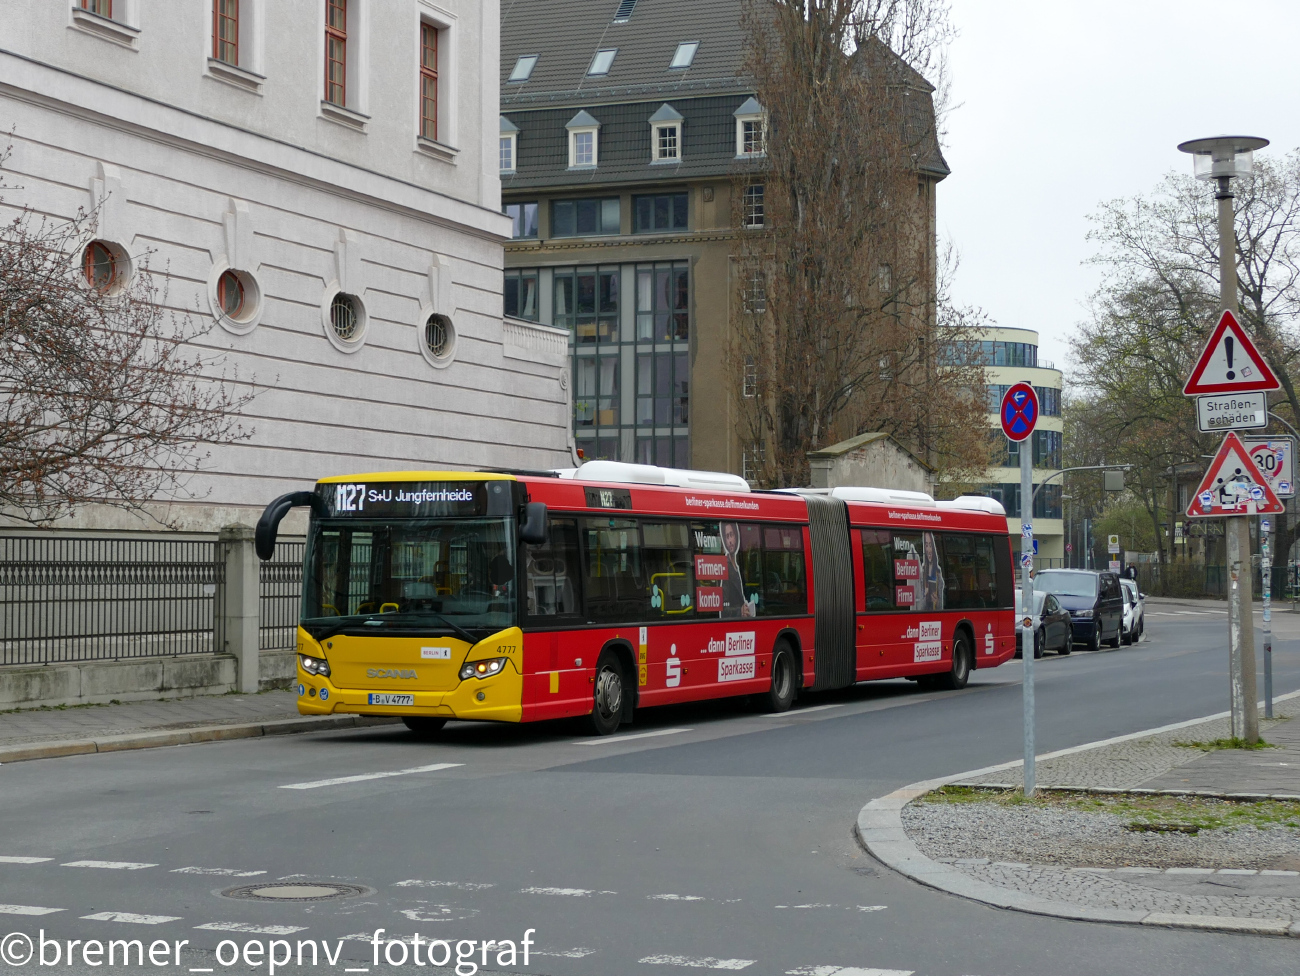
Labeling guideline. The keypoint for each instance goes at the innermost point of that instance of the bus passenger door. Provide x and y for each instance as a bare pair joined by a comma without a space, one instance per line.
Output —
880,636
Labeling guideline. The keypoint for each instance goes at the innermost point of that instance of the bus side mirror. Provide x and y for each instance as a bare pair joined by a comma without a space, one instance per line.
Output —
533,528
269,524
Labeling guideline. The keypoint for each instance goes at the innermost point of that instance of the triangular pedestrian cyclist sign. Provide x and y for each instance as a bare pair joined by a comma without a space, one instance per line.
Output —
1230,363
1233,486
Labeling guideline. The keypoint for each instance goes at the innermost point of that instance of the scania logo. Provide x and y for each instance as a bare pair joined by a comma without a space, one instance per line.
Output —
389,673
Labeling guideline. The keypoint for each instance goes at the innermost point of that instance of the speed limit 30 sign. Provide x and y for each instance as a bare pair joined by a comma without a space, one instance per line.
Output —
1275,458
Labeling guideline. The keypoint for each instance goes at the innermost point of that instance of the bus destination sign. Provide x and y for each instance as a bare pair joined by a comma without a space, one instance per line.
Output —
407,499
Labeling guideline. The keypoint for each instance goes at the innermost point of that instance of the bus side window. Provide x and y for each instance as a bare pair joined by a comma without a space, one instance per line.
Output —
552,571
612,569
785,589
669,574
878,569
751,565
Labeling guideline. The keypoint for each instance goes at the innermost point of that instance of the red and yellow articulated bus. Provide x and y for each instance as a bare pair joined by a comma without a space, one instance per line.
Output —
436,595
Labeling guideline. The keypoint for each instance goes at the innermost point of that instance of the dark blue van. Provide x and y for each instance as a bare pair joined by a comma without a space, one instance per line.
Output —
1095,602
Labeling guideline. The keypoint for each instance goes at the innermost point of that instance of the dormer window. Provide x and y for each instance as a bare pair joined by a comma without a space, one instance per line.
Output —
751,129
506,150
584,141
602,62
523,68
684,54
666,135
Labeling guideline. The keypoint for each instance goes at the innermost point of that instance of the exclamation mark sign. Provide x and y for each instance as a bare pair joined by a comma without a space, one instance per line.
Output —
1227,348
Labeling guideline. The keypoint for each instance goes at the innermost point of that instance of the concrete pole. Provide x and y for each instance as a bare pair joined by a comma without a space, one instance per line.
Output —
1241,624
1027,589
239,604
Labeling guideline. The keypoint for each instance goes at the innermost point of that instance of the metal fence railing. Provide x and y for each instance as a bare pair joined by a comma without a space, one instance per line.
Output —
99,598
281,589
77,598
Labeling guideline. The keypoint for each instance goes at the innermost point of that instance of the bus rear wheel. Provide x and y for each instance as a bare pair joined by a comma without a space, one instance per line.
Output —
780,696
956,676
607,697
423,725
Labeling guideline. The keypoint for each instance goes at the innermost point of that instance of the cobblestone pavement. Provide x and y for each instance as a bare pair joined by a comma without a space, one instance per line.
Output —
1089,859
55,724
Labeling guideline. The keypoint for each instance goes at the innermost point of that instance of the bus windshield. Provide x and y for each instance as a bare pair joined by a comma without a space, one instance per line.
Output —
430,575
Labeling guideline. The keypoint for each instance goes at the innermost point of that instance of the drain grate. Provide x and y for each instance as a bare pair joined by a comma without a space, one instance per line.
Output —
296,891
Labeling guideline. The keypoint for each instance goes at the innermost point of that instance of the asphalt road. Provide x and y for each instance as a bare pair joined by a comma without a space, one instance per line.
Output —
722,841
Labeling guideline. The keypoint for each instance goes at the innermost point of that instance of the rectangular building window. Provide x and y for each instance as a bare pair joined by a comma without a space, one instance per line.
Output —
751,136
429,81
103,8
582,218
667,139
749,381
336,51
582,147
752,460
586,303
595,395
754,294
523,218
667,211
662,302
225,31
754,205
506,153
521,294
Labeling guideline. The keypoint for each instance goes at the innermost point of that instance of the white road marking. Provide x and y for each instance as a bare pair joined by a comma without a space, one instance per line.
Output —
696,962
461,885
675,897
110,865
221,872
24,860
27,910
132,918
577,953
606,740
802,711
845,971
571,892
847,908
362,777
251,929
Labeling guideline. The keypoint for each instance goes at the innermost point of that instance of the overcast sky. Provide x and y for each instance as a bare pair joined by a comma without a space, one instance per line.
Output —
1064,103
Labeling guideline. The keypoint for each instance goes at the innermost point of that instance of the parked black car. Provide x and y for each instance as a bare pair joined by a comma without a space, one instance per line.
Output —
1052,624
1094,600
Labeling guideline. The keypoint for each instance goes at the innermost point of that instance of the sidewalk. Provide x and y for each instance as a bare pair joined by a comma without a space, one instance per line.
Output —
48,732
1143,829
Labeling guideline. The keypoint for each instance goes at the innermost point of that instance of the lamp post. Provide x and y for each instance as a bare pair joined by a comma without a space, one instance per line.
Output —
1220,158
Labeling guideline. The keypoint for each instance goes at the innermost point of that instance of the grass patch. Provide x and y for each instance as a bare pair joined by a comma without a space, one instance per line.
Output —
1147,814
1234,743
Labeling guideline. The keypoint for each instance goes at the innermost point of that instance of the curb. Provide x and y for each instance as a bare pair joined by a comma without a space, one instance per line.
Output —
880,831
181,737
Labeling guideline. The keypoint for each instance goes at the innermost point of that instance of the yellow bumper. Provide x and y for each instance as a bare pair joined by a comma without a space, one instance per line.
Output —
501,698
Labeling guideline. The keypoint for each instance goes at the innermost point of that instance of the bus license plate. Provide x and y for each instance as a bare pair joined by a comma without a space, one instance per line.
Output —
392,699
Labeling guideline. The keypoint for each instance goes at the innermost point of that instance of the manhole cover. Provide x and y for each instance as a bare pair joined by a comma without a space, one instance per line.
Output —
296,891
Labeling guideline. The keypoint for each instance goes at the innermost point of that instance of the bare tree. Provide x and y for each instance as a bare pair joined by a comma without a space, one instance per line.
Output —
102,399
1159,299
837,327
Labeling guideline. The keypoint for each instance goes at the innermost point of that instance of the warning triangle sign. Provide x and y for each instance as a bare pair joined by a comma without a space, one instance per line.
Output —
1233,486
1230,363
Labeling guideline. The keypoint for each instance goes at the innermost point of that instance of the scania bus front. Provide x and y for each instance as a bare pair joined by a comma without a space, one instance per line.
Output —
410,595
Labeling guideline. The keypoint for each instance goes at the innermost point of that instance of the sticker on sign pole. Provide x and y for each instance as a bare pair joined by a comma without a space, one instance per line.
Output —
1233,485
1019,413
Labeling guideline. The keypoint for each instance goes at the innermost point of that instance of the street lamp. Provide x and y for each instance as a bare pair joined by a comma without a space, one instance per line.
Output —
1220,158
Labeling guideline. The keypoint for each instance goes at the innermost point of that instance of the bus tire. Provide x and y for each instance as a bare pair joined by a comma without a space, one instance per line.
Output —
957,675
607,695
780,696
423,724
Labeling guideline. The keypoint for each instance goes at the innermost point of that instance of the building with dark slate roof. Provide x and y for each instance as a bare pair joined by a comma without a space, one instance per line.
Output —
624,124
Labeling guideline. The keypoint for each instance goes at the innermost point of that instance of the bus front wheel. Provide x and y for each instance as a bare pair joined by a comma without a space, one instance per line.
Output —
781,695
607,698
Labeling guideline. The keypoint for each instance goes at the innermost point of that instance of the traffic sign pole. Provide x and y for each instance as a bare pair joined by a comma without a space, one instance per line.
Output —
1019,416
1266,580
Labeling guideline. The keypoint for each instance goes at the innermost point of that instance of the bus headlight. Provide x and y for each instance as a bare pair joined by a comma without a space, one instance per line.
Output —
482,669
315,665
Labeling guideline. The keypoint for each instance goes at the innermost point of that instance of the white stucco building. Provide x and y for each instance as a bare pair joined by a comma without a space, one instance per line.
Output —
319,178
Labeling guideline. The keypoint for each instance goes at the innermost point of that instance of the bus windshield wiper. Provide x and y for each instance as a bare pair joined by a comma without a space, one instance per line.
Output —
371,618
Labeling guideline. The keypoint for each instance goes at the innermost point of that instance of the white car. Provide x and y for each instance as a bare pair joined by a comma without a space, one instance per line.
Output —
1134,601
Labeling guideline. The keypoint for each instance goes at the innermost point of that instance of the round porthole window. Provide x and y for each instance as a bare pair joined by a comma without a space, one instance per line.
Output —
438,339
236,299
105,266
344,318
